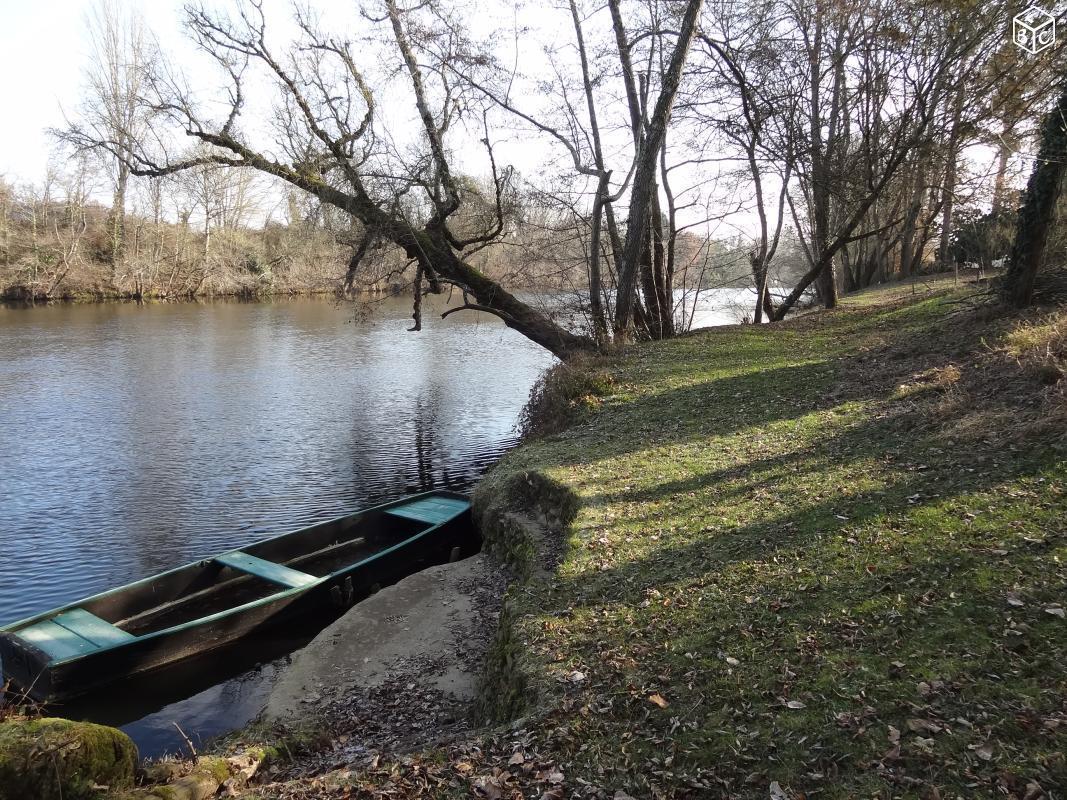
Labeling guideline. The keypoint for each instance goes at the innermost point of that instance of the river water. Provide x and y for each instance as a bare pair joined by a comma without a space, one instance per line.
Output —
136,438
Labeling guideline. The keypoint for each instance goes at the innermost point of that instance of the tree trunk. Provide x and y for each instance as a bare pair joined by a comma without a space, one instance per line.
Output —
647,164
648,285
1002,172
654,277
664,302
759,274
950,180
596,283
909,254
117,219
848,276
826,284
207,243
431,248
821,168
1038,211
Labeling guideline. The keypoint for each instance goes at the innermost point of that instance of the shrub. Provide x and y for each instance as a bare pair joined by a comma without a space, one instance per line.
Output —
560,395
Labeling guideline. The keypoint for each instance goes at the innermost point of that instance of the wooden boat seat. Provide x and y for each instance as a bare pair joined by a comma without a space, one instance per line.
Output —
433,510
73,633
268,570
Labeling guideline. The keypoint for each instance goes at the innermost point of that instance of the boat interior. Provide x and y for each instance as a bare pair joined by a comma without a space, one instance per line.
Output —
238,577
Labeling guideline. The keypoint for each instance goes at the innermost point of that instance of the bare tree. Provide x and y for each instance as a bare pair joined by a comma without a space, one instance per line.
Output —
735,99
115,78
919,59
647,167
330,143
70,226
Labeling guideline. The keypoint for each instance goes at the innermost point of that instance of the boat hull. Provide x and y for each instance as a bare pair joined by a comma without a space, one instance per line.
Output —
38,676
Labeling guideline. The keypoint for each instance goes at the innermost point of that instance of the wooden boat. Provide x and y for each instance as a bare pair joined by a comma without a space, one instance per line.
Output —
210,603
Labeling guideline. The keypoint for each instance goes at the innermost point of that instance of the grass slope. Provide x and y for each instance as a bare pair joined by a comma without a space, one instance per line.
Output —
823,559
819,559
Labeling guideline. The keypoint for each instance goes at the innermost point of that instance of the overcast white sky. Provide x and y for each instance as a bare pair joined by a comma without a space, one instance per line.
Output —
43,45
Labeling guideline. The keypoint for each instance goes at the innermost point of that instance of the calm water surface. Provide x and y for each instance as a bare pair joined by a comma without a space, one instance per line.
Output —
134,439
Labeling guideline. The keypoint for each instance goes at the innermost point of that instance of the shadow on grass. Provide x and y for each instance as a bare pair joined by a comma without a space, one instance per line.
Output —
891,348
801,524
868,555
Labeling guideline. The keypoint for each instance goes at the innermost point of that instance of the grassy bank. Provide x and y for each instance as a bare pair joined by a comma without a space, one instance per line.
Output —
828,555
820,559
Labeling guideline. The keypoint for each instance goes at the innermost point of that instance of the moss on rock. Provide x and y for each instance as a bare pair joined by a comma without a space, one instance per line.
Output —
57,758
521,515
506,691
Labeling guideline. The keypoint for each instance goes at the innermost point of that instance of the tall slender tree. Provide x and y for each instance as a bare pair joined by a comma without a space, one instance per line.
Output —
1038,212
647,164
115,80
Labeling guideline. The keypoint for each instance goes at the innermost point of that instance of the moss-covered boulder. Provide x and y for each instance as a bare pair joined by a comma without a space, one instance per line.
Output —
56,758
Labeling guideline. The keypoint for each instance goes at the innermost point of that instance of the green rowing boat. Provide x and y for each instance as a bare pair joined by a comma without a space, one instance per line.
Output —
216,601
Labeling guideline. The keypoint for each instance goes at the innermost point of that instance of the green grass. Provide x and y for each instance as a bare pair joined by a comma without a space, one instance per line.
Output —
831,583
820,559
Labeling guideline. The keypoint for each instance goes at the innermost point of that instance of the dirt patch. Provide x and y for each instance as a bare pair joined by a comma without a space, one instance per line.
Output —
397,672
978,374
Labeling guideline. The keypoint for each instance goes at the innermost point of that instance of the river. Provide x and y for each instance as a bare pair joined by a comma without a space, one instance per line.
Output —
135,438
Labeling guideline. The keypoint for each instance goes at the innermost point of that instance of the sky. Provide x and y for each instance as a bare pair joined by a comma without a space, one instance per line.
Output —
43,46
35,81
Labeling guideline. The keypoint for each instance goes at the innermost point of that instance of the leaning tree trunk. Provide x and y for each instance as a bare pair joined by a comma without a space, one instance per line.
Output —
647,164
1038,211
431,248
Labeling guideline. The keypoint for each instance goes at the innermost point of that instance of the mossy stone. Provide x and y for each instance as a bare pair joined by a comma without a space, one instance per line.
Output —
57,758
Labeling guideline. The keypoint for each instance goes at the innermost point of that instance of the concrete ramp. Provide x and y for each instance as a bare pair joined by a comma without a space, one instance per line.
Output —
426,633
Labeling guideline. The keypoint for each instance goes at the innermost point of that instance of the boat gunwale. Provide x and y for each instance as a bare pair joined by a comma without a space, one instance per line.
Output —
14,627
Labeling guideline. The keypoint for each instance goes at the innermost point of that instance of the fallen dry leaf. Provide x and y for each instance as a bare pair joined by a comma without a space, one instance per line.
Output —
658,700
488,787
916,725
1034,790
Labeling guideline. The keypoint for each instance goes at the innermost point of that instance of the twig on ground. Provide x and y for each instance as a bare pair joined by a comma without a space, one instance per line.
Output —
188,742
